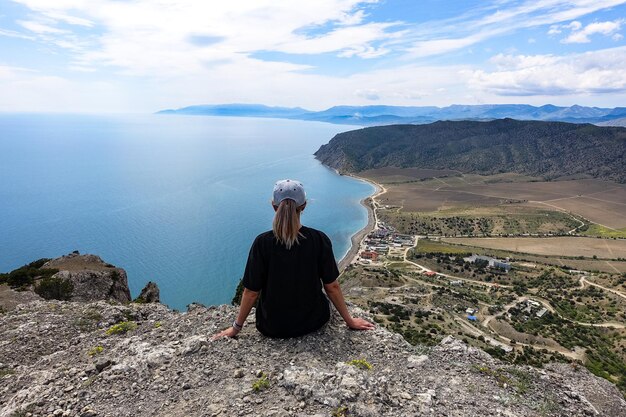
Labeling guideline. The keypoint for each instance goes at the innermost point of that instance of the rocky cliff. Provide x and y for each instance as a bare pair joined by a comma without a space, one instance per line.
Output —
92,278
61,358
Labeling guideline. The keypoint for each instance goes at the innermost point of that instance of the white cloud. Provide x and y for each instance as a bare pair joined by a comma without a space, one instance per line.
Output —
152,38
151,54
597,72
575,25
581,35
370,94
554,30
8,72
28,90
444,36
14,34
40,28
442,46
349,41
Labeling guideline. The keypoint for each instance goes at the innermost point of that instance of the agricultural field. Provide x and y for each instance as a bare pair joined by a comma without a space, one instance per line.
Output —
527,261
390,175
597,208
482,221
551,246
602,231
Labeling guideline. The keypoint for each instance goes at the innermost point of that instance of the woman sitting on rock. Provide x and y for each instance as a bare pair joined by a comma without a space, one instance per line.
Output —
286,269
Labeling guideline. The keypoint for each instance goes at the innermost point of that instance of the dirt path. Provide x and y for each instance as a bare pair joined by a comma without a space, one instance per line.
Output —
551,309
563,211
611,265
425,269
583,280
485,322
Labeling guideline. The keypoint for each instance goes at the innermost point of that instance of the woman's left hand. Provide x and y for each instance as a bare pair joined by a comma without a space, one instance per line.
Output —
230,332
360,324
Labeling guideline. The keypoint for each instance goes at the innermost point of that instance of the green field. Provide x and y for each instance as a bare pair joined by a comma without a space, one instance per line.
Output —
430,246
480,221
597,230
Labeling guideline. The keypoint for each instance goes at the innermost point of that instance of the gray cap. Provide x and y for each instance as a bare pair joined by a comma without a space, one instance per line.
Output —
289,189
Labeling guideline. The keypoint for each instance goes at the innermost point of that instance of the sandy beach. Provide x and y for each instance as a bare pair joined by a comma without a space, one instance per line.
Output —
357,238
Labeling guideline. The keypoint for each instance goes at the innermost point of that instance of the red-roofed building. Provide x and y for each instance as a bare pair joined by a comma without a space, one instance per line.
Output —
369,255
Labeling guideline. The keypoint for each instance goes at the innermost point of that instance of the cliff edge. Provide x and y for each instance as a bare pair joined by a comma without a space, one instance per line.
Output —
60,358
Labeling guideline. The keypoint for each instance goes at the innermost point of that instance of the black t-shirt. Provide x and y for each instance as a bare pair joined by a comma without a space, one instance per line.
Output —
291,302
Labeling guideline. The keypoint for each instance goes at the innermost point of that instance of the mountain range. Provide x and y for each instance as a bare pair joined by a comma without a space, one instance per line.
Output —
543,149
387,115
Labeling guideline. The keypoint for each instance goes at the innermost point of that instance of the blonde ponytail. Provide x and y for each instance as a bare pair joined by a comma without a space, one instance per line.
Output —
286,224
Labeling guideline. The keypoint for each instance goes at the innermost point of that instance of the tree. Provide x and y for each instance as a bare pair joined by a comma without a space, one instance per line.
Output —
55,288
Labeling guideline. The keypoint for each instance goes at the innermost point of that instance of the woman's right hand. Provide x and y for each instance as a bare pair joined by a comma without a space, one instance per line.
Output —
360,324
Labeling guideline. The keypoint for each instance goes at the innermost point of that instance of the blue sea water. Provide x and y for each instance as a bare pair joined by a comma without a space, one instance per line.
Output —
173,199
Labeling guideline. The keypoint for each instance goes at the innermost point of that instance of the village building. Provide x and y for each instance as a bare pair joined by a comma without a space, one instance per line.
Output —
380,249
369,255
491,262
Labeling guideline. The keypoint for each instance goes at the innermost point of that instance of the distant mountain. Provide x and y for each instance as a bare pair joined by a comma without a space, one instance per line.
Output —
386,115
239,110
544,149
615,122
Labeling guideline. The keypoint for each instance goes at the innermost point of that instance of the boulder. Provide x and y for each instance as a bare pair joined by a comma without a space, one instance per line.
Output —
149,294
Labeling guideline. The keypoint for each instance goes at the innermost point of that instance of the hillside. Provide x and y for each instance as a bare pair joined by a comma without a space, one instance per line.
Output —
543,149
106,358
57,359
614,122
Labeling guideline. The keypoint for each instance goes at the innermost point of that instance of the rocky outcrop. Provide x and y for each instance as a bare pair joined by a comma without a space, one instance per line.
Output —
149,294
92,278
101,359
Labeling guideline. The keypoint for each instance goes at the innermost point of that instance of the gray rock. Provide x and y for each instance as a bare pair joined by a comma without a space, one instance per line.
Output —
149,294
93,279
178,370
103,364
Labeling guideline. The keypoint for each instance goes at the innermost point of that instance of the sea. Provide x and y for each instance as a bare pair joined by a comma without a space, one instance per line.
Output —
176,200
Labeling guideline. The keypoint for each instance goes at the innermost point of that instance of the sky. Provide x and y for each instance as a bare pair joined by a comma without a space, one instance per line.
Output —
137,56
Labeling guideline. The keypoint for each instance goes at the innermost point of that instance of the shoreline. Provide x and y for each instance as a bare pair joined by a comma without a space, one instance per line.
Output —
357,238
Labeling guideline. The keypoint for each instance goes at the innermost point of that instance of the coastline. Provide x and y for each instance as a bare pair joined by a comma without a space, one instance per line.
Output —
357,238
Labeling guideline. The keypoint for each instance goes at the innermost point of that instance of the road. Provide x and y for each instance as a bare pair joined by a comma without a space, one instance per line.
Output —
584,281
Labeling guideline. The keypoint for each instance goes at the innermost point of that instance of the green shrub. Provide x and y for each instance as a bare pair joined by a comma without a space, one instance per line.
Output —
262,383
25,275
55,288
340,412
121,328
96,350
360,363
238,293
